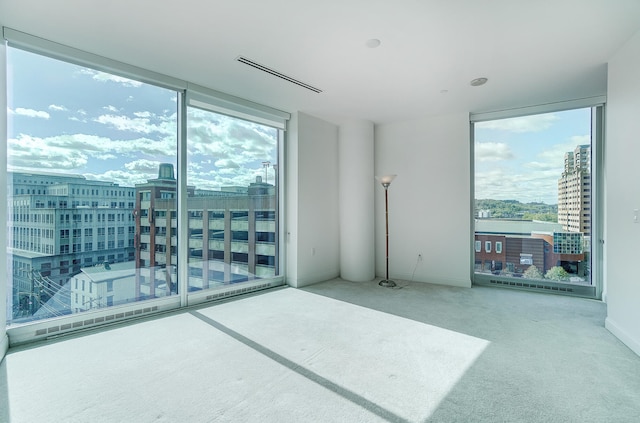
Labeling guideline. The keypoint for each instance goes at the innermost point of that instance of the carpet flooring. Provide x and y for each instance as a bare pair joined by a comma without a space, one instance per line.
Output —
337,352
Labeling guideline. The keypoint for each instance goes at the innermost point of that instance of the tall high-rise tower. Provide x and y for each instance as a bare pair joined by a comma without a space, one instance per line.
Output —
574,192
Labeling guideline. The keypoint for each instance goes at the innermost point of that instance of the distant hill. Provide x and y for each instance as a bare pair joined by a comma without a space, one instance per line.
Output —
513,209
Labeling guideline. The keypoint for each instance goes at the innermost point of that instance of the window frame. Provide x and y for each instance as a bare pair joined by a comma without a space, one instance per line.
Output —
223,103
597,104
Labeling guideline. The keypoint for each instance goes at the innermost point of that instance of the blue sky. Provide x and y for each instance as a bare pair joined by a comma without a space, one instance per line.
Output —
65,118
523,158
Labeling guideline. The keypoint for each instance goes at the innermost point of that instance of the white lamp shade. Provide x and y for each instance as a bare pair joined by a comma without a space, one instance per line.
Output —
386,179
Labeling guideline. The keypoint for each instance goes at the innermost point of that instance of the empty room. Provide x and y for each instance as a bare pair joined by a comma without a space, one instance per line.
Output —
304,211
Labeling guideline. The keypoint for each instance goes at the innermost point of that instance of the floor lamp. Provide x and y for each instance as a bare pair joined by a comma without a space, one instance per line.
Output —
386,181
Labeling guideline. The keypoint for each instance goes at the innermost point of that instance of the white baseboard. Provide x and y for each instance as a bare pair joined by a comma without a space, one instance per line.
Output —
312,279
622,335
4,346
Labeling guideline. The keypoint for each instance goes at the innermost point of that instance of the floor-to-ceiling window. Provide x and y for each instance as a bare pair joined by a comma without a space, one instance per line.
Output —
86,153
232,173
535,205
119,193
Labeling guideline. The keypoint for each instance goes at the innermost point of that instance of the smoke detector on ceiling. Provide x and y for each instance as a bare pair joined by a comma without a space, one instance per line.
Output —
478,81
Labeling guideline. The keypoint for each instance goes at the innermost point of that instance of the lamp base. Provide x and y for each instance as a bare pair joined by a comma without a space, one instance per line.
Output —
387,282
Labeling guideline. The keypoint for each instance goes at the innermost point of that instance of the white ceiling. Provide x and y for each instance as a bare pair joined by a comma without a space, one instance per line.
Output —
532,51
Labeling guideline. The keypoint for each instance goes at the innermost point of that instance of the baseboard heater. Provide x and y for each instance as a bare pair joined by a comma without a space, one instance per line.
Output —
565,289
43,330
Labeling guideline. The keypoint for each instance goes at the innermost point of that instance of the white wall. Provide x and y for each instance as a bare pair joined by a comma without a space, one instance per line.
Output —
429,201
313,232
4,344
356,200
622,150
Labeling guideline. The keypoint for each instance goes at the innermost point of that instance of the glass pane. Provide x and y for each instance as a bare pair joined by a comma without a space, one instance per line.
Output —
83,154
533,197
232,200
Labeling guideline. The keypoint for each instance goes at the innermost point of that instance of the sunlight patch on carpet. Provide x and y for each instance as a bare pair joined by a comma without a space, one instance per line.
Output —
405,366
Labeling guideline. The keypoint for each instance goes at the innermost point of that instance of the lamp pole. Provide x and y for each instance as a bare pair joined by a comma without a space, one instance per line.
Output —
386,181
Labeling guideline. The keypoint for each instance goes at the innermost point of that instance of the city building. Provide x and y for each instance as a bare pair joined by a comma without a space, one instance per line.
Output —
574,192
232,234
59,224
103,240
509,247
103,285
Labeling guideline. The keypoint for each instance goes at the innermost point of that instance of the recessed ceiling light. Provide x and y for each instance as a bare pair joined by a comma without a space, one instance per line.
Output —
478,81
373,43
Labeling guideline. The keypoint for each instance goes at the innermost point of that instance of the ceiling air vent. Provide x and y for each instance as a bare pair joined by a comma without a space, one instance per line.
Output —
276,73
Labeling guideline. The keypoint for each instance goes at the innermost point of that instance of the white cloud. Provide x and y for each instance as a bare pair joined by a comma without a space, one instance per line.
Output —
111,109
581,139
222,151
227,164
492,151
30,113
35,153
107,77
73,152
57,108
503,184
138,124
554,156
544,166
144,166
231,142
121,177
533,123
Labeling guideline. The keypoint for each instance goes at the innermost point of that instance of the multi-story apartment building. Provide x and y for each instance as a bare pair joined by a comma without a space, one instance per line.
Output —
574,192
232,234
78,244
58,224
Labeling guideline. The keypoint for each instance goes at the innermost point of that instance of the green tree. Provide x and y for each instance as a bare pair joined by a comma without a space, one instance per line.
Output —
533,273
514,209
544,217
557,273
